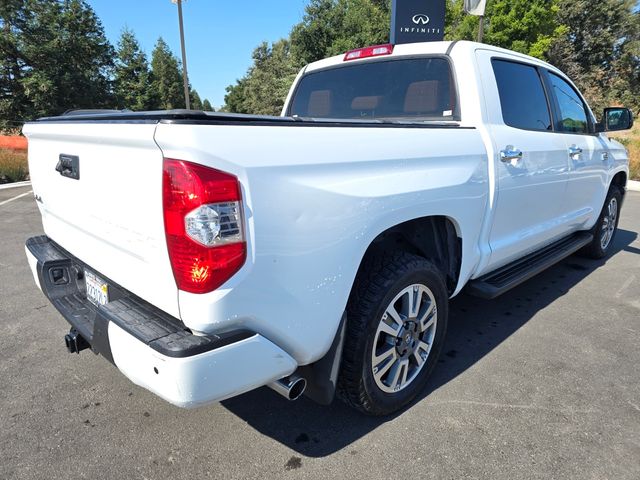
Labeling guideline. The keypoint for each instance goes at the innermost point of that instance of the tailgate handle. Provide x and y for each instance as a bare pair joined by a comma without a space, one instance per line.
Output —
69,166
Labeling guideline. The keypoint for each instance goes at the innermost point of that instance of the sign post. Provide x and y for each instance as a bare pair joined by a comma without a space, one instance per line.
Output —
417,21
477,7
185,76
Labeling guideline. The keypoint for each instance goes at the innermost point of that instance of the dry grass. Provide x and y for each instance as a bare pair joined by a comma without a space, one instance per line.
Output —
634,155
631,140
13,166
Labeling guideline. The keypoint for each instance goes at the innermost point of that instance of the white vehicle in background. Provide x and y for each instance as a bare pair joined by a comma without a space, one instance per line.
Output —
209,254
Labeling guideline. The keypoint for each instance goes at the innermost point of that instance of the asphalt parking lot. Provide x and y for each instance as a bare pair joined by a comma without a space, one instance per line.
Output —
542,383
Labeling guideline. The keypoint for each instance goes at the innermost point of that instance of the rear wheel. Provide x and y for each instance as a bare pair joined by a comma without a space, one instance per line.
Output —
396,323
606,227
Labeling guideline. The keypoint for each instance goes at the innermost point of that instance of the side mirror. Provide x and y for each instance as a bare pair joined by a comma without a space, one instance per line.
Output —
617,119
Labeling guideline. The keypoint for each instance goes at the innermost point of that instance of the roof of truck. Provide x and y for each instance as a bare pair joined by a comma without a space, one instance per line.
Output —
426,48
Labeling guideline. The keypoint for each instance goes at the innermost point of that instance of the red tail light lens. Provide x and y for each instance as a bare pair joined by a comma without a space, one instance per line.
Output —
203,224
374,51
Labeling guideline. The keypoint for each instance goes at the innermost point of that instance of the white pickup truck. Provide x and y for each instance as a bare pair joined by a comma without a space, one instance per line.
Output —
206,254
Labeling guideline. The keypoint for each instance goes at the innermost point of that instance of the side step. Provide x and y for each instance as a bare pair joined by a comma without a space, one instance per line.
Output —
500,281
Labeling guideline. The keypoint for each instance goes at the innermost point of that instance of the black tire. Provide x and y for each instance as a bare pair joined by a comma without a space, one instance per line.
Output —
595,249
377,285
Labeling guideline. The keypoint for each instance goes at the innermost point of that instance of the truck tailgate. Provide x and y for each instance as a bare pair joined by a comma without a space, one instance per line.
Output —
110,217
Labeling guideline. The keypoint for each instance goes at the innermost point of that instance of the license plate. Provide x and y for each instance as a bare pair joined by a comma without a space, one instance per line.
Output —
97,289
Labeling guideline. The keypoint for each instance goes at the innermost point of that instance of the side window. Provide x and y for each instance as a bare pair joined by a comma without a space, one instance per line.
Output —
524,103
573,115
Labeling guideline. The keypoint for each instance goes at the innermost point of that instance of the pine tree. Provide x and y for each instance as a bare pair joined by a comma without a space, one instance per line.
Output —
70,59
132,81
58,57
206,106
265,86
234,100
167,78
194,98
12,96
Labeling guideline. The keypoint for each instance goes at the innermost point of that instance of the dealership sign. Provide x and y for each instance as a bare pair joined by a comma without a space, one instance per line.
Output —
417,21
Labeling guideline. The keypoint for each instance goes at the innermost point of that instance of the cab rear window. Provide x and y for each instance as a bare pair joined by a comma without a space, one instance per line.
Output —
408,89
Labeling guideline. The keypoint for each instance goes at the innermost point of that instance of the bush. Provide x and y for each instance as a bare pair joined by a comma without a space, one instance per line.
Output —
13,166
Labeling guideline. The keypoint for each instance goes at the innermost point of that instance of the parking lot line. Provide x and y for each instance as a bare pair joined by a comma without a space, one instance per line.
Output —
16,197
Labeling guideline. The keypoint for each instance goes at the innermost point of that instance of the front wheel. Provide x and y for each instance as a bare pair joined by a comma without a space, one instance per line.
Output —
606,227
396,324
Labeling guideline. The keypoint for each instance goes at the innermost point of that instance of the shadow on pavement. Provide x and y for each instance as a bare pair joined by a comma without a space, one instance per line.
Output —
476,327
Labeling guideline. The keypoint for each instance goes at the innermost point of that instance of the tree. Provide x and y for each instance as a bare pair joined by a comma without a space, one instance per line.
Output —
329,27
235,97
55,57
601,50
206,106
132,81
167,77
70,60
196,103
264,88
526,26
12,97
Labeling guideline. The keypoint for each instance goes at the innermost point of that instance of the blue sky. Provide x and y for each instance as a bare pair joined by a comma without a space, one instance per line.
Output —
220,35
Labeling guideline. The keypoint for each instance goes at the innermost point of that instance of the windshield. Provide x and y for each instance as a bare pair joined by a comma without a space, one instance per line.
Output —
413,89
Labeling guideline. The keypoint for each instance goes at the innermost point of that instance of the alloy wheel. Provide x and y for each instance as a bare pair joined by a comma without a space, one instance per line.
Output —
609,223
404,338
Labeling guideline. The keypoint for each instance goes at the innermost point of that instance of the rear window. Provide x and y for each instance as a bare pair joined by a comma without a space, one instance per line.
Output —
412,89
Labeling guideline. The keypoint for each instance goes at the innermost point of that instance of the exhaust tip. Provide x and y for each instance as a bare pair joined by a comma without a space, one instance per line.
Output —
291,387
297,389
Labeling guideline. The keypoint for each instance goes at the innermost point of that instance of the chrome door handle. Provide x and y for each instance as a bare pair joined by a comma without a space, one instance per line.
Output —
510,154
605,156
575,152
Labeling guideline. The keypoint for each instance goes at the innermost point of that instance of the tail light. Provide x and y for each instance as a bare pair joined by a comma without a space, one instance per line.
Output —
203,224
374,51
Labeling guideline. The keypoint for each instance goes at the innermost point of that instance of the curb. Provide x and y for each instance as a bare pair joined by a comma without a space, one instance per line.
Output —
26,184
633,185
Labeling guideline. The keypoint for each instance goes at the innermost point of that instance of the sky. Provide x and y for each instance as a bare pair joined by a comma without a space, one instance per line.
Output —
219,35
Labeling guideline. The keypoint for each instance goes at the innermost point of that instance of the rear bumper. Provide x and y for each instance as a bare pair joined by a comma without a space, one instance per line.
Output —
153,349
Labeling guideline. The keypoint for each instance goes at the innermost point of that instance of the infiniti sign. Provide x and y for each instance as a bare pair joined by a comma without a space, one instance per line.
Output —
417,21
420,19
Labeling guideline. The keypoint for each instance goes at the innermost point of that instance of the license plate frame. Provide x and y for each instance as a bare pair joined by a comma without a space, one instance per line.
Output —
96,288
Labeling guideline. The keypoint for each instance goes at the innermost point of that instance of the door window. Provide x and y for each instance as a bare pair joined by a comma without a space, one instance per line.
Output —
573,115
522,97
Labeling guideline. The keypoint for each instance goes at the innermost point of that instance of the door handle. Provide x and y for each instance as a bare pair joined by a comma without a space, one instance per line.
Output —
510,154
69,166
575,152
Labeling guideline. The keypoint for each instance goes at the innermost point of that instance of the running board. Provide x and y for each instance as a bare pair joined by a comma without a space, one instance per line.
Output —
504,279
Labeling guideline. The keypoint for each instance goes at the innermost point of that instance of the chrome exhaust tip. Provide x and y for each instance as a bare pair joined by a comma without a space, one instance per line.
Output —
291,387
